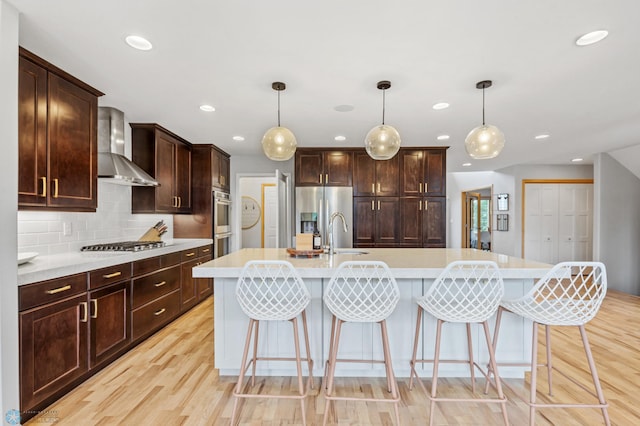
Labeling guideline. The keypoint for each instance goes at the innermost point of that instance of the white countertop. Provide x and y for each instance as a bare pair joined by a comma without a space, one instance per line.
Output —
59,265
404,262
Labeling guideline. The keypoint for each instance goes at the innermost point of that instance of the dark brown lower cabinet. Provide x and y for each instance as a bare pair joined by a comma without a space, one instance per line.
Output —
110,330
189,289
423,222
53,349
376,221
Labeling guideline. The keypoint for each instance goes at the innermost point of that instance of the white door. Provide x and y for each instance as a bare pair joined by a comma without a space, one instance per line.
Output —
575,228
558,222
284,210
270,210
541,222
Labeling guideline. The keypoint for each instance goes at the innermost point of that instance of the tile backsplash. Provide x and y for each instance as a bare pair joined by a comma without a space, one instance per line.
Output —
51,232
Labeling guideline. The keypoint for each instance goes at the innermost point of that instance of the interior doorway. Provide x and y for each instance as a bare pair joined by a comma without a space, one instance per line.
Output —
477,212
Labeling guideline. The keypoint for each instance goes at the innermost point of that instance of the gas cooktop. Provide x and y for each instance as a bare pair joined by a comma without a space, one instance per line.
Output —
125,246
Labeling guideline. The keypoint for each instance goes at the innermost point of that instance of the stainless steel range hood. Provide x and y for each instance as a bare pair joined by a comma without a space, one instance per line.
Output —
113,166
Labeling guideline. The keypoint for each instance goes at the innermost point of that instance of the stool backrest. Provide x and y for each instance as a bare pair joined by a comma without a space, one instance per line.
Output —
570,293
465,291
271,290
362,291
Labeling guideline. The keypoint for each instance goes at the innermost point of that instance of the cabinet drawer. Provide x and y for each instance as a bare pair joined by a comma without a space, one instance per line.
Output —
205,251
146,266
110,275
188,255
155,314
171,259
36,294
150,287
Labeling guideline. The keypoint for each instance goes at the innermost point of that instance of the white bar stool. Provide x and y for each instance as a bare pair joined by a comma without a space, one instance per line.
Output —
465,292
365,292
272,291
570,294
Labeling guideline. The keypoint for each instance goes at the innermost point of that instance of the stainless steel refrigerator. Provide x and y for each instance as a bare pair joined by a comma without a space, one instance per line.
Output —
314,207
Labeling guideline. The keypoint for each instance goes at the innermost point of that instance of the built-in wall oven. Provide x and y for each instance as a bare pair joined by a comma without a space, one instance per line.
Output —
221,223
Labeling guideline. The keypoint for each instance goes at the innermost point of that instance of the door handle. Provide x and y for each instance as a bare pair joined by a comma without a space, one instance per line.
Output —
378,186
372,205
420,205
94,302
425,205
378,204
44,186
425,187
84,317
420,188
55,188
320,178
326,178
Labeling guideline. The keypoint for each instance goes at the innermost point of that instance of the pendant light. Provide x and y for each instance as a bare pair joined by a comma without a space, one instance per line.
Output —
382,142
485,141
279,143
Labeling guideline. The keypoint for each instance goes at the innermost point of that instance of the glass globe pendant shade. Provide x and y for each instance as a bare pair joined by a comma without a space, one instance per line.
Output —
382,142
279,143
484,142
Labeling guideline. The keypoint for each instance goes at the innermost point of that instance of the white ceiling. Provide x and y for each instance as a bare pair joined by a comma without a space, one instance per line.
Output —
333,52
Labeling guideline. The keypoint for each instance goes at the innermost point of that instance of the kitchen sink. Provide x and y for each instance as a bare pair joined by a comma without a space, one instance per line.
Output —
351,251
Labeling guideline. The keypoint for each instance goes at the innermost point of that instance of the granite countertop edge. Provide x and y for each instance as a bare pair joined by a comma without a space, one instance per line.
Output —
49,267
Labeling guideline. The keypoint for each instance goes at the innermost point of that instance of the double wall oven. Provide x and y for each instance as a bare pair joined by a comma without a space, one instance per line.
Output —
221,223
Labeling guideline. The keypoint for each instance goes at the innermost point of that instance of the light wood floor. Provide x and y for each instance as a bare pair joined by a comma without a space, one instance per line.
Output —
170,380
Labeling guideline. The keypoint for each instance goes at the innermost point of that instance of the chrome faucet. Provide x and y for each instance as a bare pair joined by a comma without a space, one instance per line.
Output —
344,227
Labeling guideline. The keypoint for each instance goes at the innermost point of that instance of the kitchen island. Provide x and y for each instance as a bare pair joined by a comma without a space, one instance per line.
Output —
414,269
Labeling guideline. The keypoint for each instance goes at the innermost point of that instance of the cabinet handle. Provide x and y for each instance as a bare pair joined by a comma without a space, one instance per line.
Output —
175,201
372,207
94,302
425,187
193,253
425,205
378,186
179,202
55,188
160,312
373,188
321,178
84,317
420,188
205,250
420,205
160,284
59,289
326,178
221,179
44,186
113,275
378,204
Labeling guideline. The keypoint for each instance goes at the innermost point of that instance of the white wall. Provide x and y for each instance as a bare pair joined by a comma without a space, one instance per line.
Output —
9,391
503,241
252,187
617,223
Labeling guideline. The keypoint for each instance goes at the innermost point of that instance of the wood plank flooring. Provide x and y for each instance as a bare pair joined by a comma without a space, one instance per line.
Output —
170,380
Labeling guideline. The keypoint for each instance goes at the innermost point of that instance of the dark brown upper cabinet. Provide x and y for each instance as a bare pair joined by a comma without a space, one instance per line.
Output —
423,172
320,167
375,177
57,138
167,158
220,163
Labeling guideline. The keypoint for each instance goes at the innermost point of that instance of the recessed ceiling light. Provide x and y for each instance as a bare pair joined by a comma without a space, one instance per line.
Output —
207,108
138,42
592,37
238,138
542,136
340,138
344,108
443,137
576,160
466,164
440,105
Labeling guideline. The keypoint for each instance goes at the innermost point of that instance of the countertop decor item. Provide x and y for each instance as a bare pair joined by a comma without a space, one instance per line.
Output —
485,141
26,257
304,253
279,143
383,141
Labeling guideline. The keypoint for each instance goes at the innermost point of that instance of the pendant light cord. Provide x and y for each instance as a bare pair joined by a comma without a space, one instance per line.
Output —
279,108
482,106
383,104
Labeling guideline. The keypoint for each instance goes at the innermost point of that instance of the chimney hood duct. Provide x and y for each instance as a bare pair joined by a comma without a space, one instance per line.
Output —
113,166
